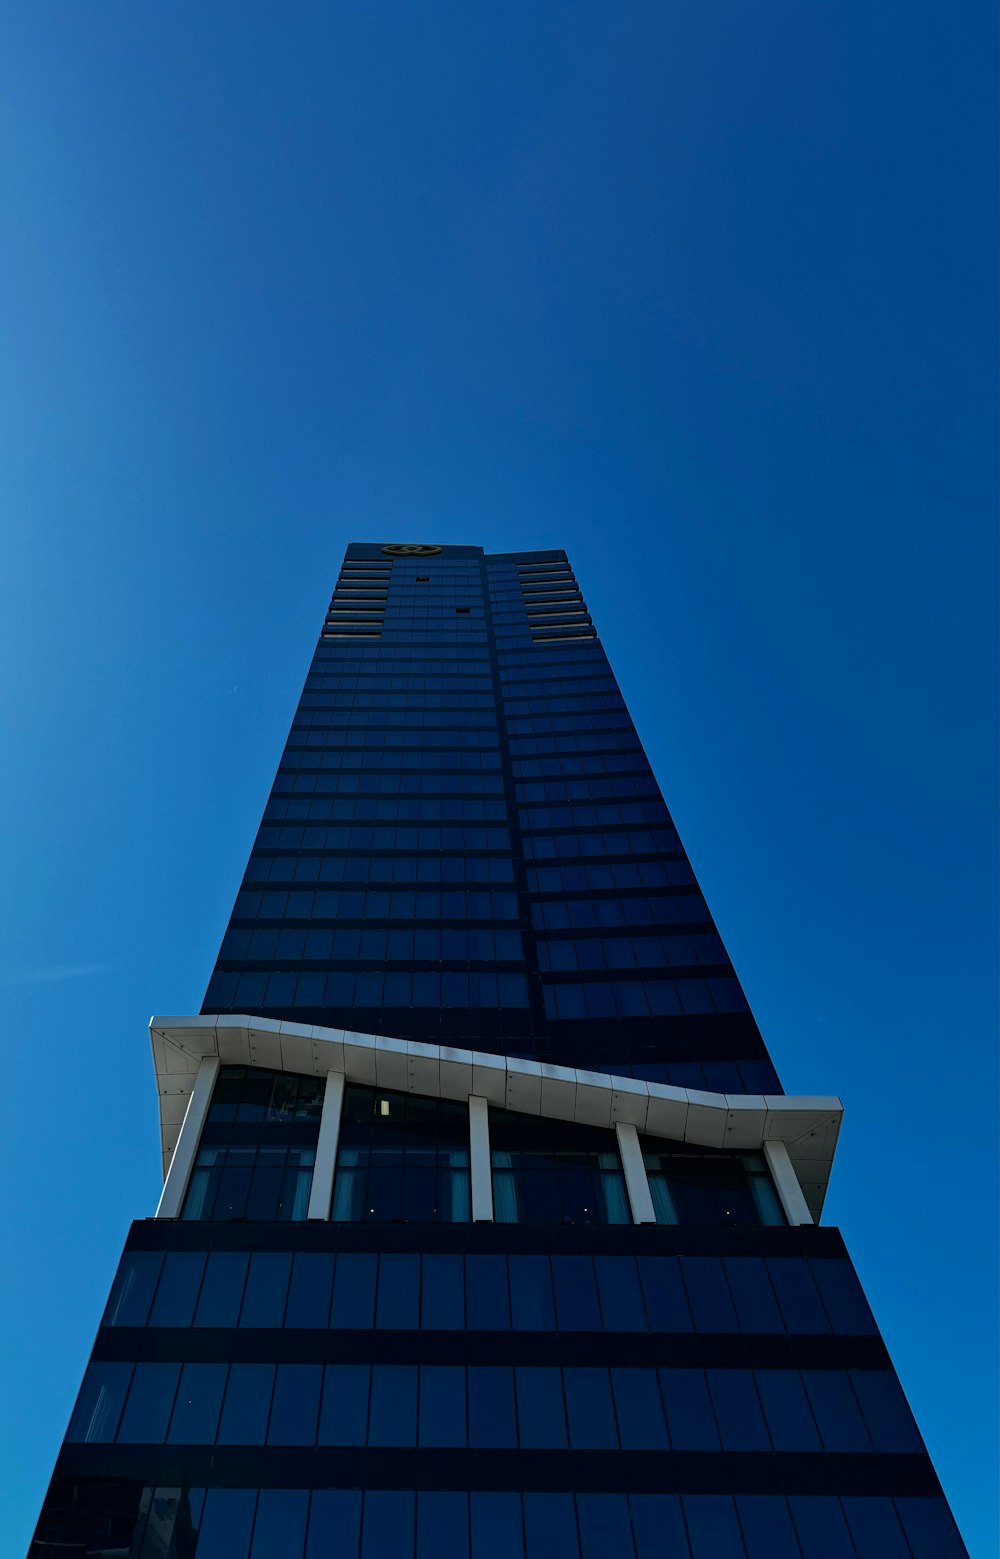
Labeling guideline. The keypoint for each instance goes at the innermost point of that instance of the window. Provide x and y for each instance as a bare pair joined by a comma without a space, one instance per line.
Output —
547,1171
401,1159
698,1186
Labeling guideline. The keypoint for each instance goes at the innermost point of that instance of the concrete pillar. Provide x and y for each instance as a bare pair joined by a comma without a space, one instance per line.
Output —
480,1168
179,1174
321,1195
636,1180
786,1183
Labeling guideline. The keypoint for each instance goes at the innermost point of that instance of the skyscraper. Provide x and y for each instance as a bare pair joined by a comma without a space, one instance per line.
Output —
487,1231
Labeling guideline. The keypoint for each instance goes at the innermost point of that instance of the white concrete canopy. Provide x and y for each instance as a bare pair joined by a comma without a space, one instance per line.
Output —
808,1126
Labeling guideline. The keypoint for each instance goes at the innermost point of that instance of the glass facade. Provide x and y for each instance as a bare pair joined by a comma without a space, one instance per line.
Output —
465,846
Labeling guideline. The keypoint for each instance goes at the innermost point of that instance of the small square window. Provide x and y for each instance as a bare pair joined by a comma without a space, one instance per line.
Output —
463,608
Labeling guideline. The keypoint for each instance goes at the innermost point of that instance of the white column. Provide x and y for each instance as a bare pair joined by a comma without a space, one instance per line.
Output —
480,1168
786,1183
179,1174
321,1194
636,1180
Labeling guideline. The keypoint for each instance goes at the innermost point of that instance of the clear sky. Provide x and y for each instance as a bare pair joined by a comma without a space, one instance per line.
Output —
702,292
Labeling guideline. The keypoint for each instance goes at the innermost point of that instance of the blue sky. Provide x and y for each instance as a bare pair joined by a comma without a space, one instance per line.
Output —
703,293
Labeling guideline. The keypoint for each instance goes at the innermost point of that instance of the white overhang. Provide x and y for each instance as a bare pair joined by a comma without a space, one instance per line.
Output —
807,1125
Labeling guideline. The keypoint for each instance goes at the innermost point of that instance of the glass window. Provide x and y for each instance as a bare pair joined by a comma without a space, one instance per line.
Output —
767,1527
664,1294
836,1410
334,1524
393,1416
618,1288
492,1422
442,1405
875,1528
819,1523
496,1526
225,1524
279,1531
541,1412
134,1285
443,1525
689,1410
639,1409
886,1411
930,1529
797,1295
547,1171
486,1293
401,1157
388,1524
531,1294
354,1292
310,1290
442,1293
266,1287
576,1294
658,1527
343,1418
604,1526
753,1295
178,1289
196,1412
787,1411
222,1289
550,1526
712,1527
843,1297
708,1292
295,1407
147,1408
398,1303
99,1405
738,1411
590,1410
246,1405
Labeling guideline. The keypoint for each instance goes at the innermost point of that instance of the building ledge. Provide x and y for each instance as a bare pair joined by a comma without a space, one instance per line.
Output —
808,1125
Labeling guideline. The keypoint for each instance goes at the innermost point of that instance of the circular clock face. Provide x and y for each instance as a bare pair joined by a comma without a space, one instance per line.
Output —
410,549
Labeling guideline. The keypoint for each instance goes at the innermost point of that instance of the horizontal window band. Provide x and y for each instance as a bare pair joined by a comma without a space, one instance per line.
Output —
655,1472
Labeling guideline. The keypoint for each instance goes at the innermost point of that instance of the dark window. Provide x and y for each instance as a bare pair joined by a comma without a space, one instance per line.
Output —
334,1523
99,1405
550,1526
640,1410
196,1412
712,1527
279,1531
132,1292
711,1188
392,1417
767,1527
295,1407
222,1289
442,1293
442,1525
344,1415
442,1405
247,1404
548,1171
310,1290
147,1408
590,1410
178,1288
492,1423
541,1410
401,1158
